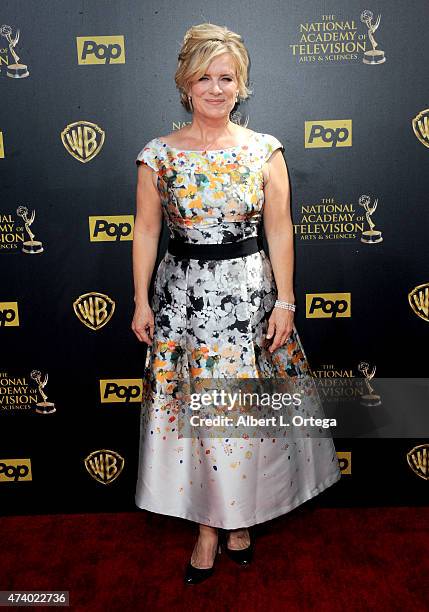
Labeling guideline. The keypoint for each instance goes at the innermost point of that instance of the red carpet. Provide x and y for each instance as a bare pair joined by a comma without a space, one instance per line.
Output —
310,559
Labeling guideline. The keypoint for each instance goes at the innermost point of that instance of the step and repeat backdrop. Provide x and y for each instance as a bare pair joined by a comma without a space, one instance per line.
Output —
84,86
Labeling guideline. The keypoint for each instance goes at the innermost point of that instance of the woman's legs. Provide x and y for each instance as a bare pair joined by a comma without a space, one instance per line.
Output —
205,548
206,545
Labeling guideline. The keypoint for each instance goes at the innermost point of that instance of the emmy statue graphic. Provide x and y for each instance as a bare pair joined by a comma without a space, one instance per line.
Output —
30,246
42,407
16,70
369,399
374,56
370,236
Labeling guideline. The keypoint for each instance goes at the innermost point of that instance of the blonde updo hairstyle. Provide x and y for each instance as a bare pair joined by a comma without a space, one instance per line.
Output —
201,44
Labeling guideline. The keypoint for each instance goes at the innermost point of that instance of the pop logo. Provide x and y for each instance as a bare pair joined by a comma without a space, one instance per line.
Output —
121,390
331,134
9,314
328,305
111,228
100,50
14,470
345,461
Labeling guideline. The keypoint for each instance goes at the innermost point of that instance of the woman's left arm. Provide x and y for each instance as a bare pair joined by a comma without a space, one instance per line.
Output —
279,233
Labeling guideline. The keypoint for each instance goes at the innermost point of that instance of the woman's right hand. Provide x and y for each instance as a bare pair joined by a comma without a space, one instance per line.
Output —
143,323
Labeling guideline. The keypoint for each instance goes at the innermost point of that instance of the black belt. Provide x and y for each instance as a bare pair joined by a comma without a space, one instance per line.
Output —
226,250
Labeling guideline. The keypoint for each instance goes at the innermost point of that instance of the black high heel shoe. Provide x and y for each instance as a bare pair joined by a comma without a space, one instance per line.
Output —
194,575
244,556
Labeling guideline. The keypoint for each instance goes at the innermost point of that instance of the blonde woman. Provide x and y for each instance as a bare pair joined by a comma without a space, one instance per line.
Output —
221,308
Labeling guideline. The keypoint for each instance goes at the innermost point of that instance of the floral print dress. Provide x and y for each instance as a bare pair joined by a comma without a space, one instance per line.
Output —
211,317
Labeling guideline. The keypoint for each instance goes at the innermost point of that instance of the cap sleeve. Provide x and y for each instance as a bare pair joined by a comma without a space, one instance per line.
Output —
271,144
149,155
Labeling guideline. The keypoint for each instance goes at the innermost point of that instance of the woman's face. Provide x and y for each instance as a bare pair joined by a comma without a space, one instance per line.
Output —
214,94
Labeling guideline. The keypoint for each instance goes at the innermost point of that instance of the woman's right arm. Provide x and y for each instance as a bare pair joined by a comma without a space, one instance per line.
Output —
147,229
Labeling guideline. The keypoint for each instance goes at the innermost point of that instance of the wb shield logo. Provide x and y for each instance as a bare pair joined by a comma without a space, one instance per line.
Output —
94,309
328,134
83,140
418,460
420,125
104,465
100,50
111,228
418,299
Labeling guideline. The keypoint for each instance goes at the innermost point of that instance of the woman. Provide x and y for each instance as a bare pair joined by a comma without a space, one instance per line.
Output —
217,299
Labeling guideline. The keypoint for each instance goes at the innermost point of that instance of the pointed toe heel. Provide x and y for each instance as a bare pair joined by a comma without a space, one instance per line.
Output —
242,557
195,575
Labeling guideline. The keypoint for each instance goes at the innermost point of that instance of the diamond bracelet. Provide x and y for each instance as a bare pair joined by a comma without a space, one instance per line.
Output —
285,305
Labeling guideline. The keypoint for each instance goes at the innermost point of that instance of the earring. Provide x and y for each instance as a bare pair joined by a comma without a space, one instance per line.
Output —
190,103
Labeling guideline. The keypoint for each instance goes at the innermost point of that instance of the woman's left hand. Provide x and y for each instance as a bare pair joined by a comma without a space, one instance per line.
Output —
280,325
